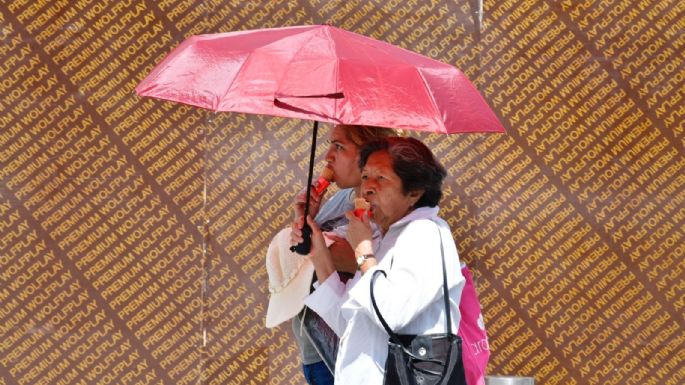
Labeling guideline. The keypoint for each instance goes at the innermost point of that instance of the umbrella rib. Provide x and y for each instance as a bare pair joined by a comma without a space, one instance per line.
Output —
249,56
228,89
294,55
337,95
337,70
432,98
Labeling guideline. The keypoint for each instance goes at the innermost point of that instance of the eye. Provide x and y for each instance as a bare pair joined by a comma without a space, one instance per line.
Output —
364,177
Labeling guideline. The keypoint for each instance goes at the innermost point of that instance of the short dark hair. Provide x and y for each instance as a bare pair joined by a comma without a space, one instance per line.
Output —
414,163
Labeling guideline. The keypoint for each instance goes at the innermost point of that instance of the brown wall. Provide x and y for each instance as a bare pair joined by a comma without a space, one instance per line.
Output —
573,221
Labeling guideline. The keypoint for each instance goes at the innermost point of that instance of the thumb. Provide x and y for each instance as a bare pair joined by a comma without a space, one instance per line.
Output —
313,225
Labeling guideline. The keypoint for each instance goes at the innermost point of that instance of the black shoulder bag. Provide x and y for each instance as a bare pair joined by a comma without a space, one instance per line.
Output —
429,359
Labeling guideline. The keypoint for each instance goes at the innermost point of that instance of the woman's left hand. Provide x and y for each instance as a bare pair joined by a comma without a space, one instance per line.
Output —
359,233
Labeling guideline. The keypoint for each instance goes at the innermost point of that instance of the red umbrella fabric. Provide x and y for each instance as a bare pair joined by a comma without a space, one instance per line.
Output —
320,73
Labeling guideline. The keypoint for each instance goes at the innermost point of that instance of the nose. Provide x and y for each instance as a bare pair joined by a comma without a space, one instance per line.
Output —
368,188
329,154
367,195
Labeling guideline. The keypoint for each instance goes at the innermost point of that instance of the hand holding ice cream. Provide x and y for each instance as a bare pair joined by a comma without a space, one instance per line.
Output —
361,206
324,180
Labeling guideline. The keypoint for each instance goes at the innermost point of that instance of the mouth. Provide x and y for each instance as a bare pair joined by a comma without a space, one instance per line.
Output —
332,171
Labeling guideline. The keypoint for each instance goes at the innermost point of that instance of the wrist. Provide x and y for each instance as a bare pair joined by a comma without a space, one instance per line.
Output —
364,247
365,260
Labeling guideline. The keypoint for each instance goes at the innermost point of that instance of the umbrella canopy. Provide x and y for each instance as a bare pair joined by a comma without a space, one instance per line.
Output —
320,73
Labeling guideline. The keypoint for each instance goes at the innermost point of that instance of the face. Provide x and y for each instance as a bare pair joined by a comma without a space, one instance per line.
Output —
343,157
383,189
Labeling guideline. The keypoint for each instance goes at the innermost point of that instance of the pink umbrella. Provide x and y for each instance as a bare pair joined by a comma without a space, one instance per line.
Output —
320,73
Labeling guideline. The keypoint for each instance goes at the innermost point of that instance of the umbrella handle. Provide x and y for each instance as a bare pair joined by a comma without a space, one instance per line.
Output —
306,244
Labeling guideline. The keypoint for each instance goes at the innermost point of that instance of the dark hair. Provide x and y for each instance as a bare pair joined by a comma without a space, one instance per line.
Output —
414,163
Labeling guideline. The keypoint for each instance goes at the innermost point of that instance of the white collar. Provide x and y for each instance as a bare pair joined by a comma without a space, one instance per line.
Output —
420,213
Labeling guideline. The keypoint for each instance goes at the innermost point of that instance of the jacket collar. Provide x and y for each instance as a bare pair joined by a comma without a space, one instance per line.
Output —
420,213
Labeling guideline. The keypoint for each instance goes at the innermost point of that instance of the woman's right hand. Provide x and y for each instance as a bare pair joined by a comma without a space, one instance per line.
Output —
301,200
298,209
296,231
359,233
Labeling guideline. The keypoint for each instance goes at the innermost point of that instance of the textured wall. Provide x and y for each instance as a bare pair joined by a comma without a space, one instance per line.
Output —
132,231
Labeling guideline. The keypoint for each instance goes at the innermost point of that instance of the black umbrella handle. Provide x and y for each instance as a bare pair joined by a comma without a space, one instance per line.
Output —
305,246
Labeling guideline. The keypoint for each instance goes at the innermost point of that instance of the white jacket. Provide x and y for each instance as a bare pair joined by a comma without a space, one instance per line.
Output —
410,299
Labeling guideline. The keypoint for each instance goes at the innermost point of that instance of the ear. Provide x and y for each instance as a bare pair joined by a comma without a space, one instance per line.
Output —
414,196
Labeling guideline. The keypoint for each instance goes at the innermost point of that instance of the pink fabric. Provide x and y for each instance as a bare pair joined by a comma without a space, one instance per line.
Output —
475,348
321,73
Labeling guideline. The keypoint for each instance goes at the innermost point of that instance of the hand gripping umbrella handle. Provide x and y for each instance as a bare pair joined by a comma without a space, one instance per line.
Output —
306,244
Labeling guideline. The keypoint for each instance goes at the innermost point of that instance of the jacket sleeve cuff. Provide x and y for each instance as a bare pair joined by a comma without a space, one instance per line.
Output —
326,295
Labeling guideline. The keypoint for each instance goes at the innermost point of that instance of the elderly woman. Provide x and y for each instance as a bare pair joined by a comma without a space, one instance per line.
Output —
401,179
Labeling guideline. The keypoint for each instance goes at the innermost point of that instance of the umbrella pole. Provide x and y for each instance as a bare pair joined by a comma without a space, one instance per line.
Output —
304,247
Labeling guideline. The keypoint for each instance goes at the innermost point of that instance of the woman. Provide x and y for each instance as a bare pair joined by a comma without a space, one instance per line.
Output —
342,158
401,179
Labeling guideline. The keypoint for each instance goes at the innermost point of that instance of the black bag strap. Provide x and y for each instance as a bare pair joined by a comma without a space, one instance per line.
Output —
448,317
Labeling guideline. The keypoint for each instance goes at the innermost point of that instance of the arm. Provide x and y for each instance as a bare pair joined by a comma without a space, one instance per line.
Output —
331,292
319,254
360,235
342,254
412,284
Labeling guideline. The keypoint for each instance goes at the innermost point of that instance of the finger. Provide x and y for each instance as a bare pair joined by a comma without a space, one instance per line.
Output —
297,223
313,225
314,193
295,239
350,216
298,210
296,230
365,217
301,196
